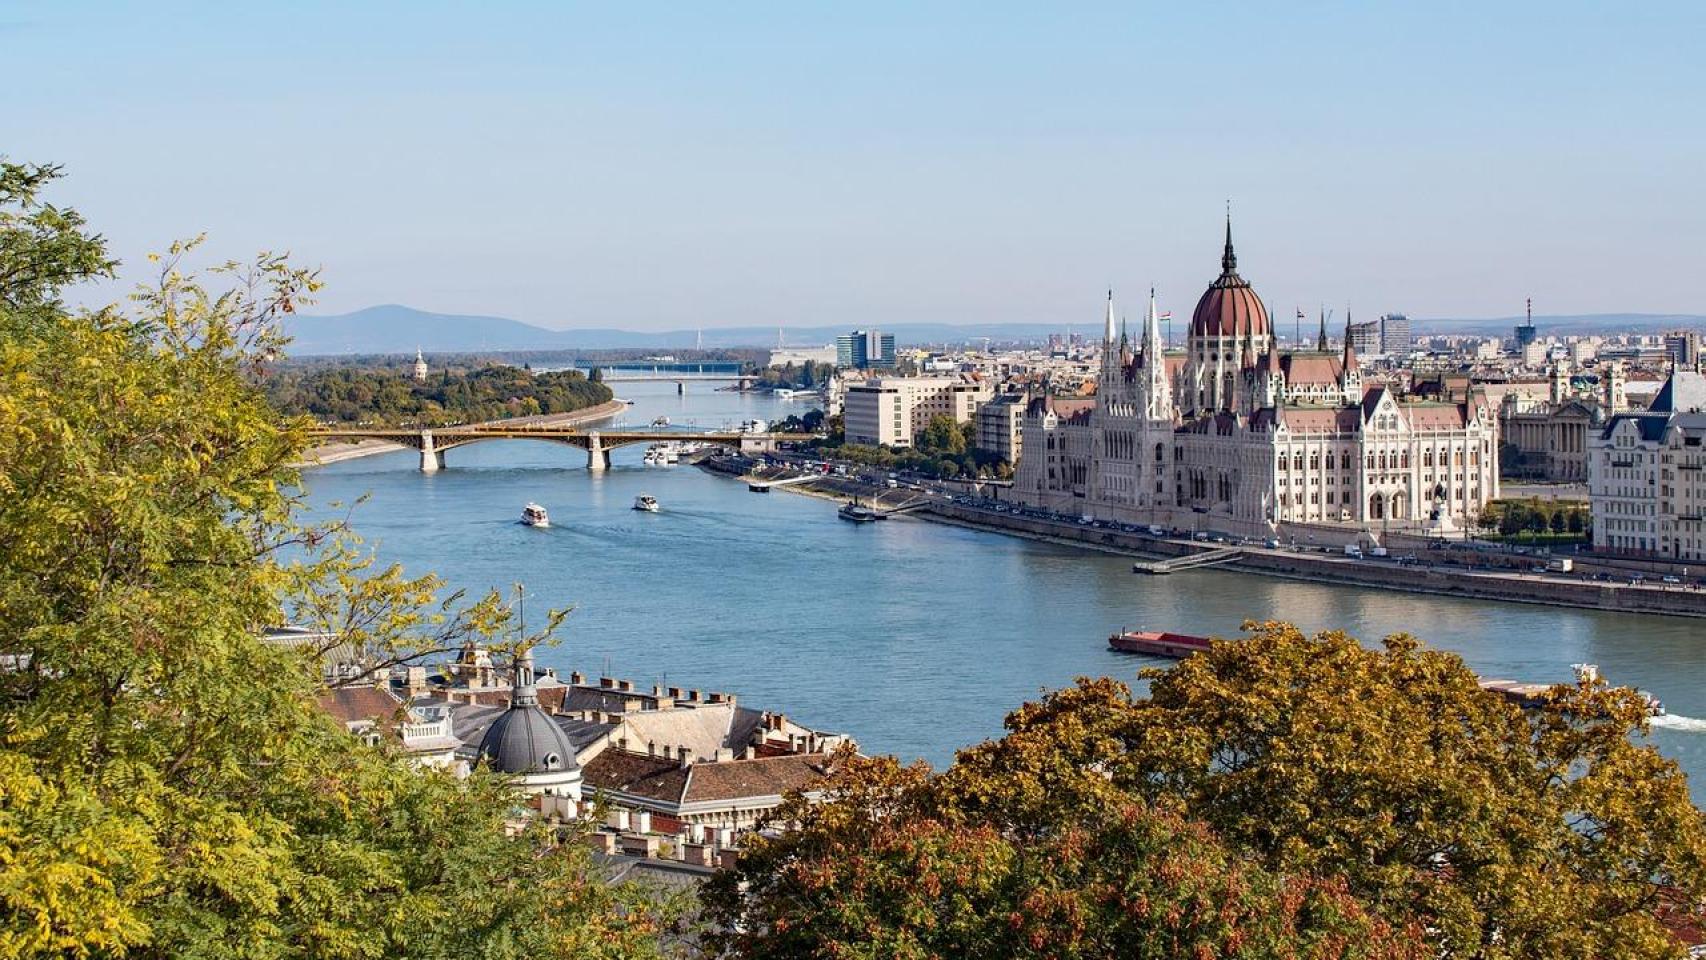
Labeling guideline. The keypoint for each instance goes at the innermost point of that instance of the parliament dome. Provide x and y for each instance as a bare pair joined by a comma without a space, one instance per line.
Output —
1229,308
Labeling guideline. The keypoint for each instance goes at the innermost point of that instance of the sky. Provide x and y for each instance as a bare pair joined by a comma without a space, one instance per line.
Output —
668,166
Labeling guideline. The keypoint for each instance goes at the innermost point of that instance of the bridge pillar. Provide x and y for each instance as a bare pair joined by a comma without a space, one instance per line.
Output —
432,460
597,458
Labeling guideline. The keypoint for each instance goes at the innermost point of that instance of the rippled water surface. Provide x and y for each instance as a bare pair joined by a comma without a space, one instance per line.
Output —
914,637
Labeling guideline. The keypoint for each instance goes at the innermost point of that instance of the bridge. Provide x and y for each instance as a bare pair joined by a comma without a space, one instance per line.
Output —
597,443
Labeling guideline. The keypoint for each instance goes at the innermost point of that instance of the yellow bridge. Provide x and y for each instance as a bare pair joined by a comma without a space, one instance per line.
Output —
597,443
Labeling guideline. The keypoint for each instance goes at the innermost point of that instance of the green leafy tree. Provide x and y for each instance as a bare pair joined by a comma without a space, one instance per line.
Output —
942,436
168,787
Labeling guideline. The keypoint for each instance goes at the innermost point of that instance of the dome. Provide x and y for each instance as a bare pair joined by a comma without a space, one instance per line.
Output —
1229,308
524,739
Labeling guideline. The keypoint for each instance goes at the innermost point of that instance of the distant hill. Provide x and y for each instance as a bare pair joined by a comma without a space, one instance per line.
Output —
392,328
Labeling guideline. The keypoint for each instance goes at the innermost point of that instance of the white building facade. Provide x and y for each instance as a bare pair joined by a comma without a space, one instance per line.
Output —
891,411
1237,437
1647,476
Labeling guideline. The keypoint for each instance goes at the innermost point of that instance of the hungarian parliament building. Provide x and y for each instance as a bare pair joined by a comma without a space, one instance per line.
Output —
1237,437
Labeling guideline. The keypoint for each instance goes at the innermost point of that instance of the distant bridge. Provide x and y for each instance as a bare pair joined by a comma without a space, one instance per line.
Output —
597,443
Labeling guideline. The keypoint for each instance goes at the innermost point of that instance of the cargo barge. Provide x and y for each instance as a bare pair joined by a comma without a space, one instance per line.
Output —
1155,643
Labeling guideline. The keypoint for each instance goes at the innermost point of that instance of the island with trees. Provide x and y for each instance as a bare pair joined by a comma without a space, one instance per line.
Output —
390,395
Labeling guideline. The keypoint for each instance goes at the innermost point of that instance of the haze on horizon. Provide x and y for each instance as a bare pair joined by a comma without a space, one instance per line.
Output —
654,168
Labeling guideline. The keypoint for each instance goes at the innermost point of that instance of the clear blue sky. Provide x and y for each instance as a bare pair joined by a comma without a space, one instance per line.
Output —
657,166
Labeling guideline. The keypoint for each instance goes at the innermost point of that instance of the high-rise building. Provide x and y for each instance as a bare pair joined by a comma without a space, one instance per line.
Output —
1365,337
1395,336
1684,348
864,349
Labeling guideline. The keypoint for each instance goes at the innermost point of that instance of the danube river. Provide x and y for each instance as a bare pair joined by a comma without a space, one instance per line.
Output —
914,637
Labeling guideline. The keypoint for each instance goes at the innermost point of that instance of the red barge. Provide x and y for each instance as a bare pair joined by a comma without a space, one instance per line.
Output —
1158,644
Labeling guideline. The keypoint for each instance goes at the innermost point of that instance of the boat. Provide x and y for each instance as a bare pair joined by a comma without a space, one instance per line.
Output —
856,513
1155,643
661,422
1532,696
646,502
534,515
784,393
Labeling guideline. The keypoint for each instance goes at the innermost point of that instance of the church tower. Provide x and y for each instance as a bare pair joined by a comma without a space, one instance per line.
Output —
420,366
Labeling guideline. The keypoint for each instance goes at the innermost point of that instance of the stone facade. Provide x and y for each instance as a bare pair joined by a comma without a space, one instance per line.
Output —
1237,437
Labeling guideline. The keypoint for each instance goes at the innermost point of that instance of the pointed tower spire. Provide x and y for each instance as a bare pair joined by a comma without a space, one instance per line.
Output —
1110,332
1321,342
1350,354
1157,392
1228,259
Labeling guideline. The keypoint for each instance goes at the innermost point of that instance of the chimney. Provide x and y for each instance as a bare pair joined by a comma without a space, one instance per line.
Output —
651,748
675,693
606,682
657,691
716,697
577,678
724,754
685,755
625,685
666,703
693,695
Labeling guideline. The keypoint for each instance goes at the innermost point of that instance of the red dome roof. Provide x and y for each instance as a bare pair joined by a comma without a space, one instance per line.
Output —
1229,308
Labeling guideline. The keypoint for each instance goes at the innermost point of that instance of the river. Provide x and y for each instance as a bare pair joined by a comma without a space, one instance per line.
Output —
915,638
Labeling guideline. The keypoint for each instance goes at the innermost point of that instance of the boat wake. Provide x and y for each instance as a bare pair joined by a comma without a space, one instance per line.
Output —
1671,721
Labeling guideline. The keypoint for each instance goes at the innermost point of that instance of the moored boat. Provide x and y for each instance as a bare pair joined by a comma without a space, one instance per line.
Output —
534,515
661,422
1156,643
856,513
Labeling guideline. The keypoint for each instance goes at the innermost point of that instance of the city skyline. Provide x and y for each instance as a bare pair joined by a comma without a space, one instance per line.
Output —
785,167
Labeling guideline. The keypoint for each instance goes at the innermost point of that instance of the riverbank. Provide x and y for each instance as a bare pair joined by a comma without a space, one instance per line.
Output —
329,453
1503,585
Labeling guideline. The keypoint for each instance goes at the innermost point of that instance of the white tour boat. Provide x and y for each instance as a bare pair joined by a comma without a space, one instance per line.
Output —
646,502
535,516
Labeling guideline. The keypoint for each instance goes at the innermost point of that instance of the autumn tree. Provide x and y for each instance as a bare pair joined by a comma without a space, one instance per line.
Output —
883,869
1556,833
167,786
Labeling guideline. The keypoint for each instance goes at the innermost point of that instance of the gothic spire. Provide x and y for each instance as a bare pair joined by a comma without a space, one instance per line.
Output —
1228,259
1321,342
1350,355
1110,332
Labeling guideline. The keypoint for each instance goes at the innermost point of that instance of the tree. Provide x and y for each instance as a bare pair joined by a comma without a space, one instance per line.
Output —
942,436
168,787
597,375
1503,834
882,870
